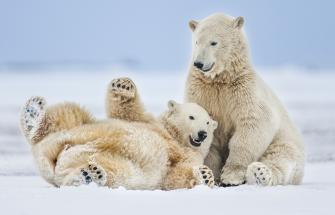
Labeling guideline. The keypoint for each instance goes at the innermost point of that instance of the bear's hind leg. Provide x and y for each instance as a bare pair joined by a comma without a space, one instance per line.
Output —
67,115
37,120
33,122
77,165
84,175
123,101
259,173
278,166
93,173
185,176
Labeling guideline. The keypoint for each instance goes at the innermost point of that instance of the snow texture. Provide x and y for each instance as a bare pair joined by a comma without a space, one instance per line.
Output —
308,96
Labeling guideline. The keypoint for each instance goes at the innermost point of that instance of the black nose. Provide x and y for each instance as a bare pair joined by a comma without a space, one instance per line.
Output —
202,135
199,65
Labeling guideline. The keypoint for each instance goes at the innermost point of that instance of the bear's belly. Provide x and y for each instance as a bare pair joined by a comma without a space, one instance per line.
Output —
136,142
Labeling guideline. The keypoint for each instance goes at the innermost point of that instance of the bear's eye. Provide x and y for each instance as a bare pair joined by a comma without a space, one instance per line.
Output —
207,123
191,117
213,43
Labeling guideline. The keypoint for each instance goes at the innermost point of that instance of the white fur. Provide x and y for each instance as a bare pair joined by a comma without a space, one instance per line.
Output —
180,116
253,124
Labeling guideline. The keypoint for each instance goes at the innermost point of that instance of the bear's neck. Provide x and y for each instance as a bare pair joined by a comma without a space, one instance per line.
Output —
171,128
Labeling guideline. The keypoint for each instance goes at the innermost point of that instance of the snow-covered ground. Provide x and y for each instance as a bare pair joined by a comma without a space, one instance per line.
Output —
308,96
31,195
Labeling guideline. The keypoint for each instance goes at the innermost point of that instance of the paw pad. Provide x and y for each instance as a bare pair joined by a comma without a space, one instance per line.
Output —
94,174
259,173
206,175
123,87
32,115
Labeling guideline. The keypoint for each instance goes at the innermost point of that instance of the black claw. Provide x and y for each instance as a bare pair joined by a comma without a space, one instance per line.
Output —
225,185
231,185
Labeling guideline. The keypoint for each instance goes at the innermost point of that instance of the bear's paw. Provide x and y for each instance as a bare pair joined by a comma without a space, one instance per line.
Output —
258,173
205,175
122,88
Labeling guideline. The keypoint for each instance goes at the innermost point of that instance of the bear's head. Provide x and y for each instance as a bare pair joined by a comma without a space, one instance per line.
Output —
217,39
190,124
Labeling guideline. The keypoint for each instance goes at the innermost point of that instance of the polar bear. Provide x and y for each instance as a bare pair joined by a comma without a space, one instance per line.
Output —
130,149
255,142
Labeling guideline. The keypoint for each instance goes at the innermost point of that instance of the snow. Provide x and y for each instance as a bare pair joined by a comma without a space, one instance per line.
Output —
31,195
308,96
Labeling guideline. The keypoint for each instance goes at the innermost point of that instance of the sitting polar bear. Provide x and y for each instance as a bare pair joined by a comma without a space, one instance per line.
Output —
255,142
130,149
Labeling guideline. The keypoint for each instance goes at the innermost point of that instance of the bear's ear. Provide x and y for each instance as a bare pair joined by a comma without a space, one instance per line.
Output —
215,124
193,24
238,22
172,105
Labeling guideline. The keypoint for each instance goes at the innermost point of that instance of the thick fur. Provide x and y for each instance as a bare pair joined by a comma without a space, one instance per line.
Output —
130,149
255,136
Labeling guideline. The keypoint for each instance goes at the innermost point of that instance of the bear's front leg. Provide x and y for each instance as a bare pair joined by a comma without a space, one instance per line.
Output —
186,176
232,175
123,102
205,175
247,145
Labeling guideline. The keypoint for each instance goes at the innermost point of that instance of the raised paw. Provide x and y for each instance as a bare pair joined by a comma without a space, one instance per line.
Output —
206,175
259,173
93,173
123,88
232,176
32,116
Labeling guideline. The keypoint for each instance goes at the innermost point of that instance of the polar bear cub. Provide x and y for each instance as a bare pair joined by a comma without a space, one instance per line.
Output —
130,149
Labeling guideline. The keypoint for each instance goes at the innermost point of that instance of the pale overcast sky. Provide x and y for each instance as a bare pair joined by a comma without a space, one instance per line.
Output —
154,34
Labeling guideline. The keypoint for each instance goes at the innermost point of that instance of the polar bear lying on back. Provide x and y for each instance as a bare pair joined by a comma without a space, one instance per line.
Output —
130,149
256,142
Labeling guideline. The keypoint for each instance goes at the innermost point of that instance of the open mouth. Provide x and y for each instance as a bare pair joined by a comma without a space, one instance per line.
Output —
208,69
194,142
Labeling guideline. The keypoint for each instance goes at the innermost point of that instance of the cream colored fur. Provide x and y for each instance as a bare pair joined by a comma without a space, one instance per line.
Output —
130,149
255,142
